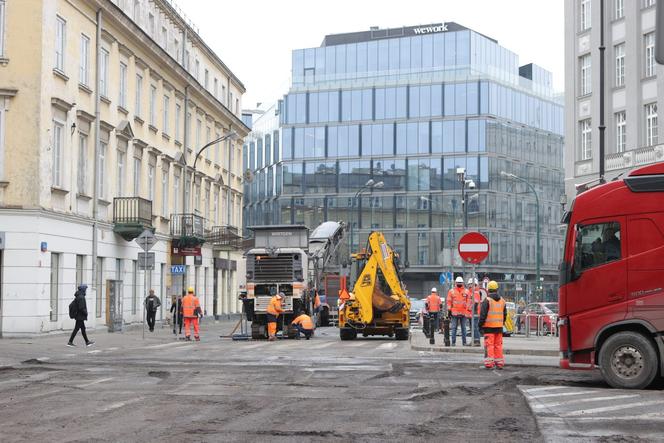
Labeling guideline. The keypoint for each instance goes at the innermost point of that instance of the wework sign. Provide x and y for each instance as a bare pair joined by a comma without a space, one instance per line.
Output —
430,29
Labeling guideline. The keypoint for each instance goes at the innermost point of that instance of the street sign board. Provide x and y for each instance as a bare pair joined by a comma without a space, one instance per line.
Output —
520,277
176,250
146,261
177,269
473,247
146,240
445,277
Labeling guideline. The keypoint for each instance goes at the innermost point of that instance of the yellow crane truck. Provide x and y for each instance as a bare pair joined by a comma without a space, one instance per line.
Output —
378,304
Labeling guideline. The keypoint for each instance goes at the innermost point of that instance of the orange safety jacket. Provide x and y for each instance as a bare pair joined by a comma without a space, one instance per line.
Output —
495,317
434,302
189,304
274,308
456,301
304,320
316,301
474,297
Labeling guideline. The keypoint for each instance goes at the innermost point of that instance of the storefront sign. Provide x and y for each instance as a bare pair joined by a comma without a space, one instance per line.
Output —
175,250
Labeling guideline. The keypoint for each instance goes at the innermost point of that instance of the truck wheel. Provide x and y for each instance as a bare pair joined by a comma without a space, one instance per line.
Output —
347,333
628,360
401,333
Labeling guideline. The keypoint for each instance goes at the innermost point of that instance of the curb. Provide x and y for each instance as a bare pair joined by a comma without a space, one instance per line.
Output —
480,351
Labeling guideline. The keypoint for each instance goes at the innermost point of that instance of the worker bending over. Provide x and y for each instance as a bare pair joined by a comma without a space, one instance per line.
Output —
492,318
304,325
274,309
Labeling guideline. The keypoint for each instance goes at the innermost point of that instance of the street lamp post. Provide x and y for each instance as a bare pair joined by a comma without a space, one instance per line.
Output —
229,136
370,184
538,258
449,235
465,182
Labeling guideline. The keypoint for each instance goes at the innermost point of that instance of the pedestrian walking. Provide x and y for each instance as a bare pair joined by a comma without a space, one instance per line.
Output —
191,311
492,318
433,305
274,309
304,325
151,303
457,310
176,311
78,310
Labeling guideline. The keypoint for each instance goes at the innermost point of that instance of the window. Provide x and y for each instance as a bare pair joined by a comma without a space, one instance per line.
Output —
84,69
101,174
58,146
153,105
151,24
586,75
648,3
122,99
137,177
103,77
150,182
619,9
596,245
649,58
121,175
621,134
178,111
137,10
651,124
215,206
164,193
60,43
139,89
164,38
207,140
166,116
100,285
82,177
216,88
2,28
586,139
207,79
223,94
619,51
584,15
197,69
80,270
176,194
55,285
207,203
198,134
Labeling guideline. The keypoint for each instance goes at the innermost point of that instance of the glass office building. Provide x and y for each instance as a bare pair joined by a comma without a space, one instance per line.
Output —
409,107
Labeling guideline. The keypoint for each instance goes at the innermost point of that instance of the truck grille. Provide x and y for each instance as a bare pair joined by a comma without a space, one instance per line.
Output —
272,269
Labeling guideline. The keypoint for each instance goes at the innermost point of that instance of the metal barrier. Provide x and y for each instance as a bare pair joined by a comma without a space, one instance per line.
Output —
546,324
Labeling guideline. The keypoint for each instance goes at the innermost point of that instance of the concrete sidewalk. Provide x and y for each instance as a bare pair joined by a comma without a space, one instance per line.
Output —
515,345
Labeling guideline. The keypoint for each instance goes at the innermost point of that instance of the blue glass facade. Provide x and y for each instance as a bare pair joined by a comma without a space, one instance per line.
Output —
409,111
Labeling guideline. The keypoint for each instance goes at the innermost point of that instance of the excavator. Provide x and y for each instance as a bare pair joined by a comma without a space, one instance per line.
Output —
378,304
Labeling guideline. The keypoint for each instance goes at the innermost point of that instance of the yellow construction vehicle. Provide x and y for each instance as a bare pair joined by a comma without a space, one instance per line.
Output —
379,303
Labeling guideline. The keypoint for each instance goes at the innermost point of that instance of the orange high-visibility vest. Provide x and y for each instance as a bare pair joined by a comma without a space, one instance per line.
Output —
274,308
456,301
475,297
303,320
434,302
189,305
316,301
496,315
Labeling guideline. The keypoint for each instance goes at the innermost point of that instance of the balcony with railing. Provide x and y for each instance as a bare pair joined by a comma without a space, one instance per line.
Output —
225,238
131,216
188,230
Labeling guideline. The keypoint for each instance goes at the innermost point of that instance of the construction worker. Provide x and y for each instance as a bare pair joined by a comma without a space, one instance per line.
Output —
492,318
433,304
273,310
191,309
304,325
474,298
457,310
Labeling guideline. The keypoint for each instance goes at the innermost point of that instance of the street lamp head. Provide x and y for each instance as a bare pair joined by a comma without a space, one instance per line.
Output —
506,174
470,184
378,185
232,136
369,183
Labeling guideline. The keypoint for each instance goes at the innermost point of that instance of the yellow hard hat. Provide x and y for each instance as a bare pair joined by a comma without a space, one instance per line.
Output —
493,286
190,290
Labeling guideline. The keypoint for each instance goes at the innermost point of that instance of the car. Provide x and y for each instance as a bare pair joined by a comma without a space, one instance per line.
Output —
534,313
416,310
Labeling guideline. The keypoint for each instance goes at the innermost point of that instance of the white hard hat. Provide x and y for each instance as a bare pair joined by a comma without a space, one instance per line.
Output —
434,290
475,281
470,281
459,279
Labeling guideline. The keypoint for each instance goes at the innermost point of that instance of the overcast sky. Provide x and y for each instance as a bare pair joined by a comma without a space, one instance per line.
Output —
255,38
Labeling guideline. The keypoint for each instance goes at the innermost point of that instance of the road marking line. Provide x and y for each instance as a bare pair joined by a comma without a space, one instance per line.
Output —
582,400
562,394
322,346
101,380
120,404
387,346
254,345
112,349
611,408
658,416
96,351
164,345
358,344
548,388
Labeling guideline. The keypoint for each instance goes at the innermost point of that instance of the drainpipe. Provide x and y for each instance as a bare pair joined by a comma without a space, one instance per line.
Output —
95,187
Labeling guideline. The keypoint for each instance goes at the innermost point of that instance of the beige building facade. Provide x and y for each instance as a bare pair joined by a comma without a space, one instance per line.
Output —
138,100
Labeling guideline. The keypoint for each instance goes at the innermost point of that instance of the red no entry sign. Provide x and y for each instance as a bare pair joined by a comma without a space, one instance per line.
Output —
473,247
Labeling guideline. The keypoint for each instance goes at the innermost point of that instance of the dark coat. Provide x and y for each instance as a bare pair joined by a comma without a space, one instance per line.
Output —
82,306
484,311
152,303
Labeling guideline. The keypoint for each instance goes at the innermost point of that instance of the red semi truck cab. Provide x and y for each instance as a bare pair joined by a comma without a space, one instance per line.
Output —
611,297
